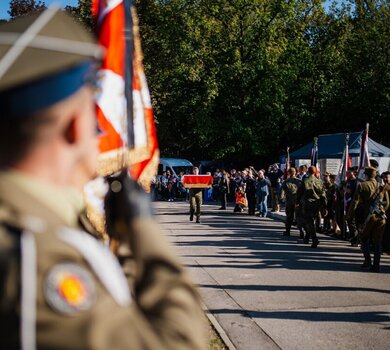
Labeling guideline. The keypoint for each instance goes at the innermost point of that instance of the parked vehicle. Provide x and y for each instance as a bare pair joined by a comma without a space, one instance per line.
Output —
175,166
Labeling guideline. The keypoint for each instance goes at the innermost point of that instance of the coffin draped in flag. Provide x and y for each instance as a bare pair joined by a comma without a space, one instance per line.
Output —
197,181
124,110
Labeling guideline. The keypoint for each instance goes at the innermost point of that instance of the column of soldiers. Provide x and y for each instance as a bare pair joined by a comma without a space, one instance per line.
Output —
361,207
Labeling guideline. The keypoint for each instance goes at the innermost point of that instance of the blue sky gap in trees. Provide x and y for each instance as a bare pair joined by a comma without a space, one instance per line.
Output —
4,5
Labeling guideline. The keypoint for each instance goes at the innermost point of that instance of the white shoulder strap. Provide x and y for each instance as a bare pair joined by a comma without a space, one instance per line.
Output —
102,261
29,291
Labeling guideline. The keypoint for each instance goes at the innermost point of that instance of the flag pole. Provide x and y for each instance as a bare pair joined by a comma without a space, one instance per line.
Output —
364,157
344,176
314,160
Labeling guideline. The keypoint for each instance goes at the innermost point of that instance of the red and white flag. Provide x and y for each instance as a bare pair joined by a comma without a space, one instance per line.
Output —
345,163
124,109
364,157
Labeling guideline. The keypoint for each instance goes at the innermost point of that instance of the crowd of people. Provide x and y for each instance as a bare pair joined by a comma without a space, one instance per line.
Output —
353,209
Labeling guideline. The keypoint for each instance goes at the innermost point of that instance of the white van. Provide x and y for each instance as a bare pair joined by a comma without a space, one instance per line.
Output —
175,166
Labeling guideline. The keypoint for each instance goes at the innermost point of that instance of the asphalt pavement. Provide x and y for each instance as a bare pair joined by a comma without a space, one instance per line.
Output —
266,291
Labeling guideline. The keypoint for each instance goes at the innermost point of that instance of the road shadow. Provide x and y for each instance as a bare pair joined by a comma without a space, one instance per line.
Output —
370,317
263,243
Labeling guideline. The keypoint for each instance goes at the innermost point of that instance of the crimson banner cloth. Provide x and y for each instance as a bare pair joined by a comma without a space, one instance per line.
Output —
197,181
124,109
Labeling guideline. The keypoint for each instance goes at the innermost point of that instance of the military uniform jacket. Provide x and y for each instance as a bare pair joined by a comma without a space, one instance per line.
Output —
62,289
312,193
290,187
363,198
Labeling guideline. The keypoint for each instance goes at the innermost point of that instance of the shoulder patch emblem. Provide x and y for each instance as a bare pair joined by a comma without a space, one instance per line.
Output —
69,288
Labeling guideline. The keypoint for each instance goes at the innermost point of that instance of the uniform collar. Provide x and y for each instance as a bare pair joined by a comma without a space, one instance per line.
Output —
32,197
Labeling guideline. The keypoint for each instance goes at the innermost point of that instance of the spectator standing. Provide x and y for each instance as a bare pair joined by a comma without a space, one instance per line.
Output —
302,174
232,186
216,179
262,192
164,186
171,186
224,188
273,175
250,191
181,191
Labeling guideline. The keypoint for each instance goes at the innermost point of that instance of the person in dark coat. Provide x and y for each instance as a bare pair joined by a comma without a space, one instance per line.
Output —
250,190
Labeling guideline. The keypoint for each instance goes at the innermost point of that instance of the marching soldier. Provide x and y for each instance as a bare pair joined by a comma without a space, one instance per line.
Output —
364,194
371,202
195,200
290,188
59,286
312,198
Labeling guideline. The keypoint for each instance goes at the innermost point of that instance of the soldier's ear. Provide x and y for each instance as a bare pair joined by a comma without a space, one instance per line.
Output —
70,132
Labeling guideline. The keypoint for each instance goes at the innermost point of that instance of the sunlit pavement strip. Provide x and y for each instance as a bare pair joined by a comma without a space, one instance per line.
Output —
272,292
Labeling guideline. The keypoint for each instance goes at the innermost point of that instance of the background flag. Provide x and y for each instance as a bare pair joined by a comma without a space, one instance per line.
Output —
364,157
288,161
314,153
345,163
124,109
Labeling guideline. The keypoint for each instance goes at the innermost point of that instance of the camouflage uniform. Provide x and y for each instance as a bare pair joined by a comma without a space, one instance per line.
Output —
290,188
312,197
195,203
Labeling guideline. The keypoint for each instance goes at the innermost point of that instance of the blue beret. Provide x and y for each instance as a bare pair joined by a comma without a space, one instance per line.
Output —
39,94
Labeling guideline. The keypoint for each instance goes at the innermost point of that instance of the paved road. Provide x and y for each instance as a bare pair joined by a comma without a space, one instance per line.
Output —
273,292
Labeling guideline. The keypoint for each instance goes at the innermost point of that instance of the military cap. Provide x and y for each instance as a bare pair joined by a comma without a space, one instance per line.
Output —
370,171
374,163
44,58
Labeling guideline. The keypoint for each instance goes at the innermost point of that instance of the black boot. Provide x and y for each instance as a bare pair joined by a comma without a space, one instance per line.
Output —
366,254
315,243
198,219
367,261
377,258
286,233
191,216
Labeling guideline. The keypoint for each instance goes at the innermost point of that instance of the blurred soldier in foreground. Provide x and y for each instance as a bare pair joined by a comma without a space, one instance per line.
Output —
312,198
59,286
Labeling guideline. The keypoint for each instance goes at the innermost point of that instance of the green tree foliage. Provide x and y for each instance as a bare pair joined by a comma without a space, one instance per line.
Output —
19,8
243,79
83,13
